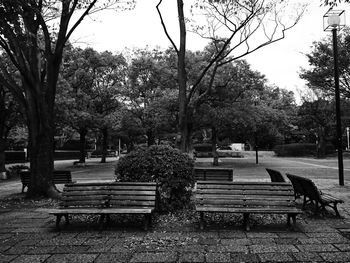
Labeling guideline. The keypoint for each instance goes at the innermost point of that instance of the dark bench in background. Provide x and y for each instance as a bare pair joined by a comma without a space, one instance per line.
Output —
306,187
59,177
275,176
210,174
246,198
105,199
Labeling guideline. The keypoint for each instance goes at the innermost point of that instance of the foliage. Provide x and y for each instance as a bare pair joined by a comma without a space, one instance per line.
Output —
295,149
171,169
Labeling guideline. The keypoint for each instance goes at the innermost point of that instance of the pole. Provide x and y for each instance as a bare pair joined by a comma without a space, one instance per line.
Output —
347,137
256,148
337,109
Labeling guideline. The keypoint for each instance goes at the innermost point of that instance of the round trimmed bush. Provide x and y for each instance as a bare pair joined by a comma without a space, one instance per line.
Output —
170,168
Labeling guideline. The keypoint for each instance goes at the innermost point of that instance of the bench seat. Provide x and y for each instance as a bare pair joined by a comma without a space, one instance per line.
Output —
105,199
246,198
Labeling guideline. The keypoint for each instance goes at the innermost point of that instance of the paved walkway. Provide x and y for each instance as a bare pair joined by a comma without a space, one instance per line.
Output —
27,235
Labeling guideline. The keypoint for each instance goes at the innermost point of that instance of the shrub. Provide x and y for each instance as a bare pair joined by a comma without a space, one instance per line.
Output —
295,149
171,169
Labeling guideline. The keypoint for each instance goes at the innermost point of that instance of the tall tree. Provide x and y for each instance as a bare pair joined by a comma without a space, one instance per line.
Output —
232,27
33,33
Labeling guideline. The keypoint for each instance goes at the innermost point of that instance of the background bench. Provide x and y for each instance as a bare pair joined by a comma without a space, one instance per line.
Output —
105,199
210,174
305,187
275,175
59,177
245,198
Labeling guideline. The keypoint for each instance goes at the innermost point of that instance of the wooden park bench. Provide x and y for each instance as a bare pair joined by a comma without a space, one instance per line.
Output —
275,176
306,187
210,174
246,198
105,199
59,177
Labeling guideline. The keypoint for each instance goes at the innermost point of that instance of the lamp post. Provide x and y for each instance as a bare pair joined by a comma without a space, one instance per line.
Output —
333,21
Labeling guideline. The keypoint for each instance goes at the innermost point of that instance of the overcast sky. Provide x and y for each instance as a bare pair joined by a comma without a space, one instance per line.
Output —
279,62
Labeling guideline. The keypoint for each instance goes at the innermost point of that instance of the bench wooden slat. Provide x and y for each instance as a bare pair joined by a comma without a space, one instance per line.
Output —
126,210
266,210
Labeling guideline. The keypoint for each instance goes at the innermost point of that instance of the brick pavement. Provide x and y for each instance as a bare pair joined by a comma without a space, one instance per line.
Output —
29,235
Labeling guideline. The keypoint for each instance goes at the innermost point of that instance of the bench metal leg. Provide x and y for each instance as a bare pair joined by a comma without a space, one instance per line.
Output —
147,220
336,210
23,186
101,220
246,221
66,217
58,220
201,220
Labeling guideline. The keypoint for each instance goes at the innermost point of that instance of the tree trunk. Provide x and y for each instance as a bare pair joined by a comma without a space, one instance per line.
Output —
182,80
82,144
104,144
321,143
213,144
40,120
2,155
151,138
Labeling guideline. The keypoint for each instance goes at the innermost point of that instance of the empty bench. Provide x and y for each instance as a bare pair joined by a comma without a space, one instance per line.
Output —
245,198
105,199
213,174
306,187
59,177
275,175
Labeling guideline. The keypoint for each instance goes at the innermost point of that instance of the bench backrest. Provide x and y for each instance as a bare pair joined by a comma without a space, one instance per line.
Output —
275,176
304,186
133,195
105,195
257,195
210,174
59,176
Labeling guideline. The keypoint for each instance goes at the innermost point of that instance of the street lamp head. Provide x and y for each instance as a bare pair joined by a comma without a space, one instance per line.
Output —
333,19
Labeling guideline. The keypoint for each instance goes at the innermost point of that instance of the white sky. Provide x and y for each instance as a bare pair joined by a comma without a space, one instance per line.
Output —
279,62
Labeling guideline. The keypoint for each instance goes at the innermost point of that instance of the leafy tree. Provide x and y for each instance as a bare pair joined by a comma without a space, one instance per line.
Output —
316,119
33,33
149,91
232,27
320,75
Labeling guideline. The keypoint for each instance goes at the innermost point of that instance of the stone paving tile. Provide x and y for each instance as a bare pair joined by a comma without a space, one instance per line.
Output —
238,241
73,258
309,240
336,256
343,247
286,241
275,257
30,258
272,248
6,258
261,235
154,257
230,248
113,257
192,257
317,248
218,257
101,248
41,250
244,257
262,241
307,256
16,250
